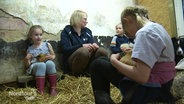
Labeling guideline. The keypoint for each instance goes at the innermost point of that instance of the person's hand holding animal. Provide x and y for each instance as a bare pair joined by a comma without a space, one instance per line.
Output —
125,48
128,52
41,57
29,56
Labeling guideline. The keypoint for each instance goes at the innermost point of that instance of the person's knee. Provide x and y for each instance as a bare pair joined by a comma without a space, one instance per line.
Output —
100,61
40,69
83,52
50,64
79,60
101,52
96,65
50,67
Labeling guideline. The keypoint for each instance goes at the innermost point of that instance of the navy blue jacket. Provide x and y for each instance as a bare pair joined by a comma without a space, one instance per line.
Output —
115,44
70,41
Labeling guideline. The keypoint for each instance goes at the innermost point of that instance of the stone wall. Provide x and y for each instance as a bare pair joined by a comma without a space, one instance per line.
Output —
13,46
13,53
17,16
53,15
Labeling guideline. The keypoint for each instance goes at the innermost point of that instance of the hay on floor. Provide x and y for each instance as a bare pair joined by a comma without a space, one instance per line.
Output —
71,90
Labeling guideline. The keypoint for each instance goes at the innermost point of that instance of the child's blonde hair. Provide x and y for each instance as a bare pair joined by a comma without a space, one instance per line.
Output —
118,24
76,17
138,12
30,32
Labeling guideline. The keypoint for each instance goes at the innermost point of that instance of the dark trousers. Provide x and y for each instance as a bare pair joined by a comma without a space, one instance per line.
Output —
134,93
80,59
103,73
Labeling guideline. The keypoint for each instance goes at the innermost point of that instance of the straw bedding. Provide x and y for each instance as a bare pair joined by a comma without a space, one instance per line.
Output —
71,90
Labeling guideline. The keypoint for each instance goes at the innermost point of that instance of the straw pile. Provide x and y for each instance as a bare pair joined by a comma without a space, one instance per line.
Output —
71,90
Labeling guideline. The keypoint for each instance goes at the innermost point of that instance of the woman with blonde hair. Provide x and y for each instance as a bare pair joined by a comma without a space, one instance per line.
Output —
151,78
78,46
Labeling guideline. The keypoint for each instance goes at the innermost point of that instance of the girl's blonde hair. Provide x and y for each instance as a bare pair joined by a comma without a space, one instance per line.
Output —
31,31
118,24
139,13
76,17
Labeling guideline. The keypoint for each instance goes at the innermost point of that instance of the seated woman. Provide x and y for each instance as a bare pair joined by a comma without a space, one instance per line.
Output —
78,46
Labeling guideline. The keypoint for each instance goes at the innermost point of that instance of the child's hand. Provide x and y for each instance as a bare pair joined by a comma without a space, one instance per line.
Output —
115,56
48,57
28,59
29,56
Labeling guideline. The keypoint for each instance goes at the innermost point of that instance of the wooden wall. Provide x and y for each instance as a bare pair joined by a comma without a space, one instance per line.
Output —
161,11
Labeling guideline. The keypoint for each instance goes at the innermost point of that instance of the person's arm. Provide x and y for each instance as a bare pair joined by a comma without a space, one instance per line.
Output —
52,55
27,60
147,50
113,45
139,73
90,36
115,49
92,45
67,47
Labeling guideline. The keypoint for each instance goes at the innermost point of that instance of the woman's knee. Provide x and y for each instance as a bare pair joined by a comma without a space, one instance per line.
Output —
101,52
79,59
83,52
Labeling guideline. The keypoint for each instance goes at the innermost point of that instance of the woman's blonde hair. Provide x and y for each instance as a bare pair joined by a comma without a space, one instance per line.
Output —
137,12
31,31
76,17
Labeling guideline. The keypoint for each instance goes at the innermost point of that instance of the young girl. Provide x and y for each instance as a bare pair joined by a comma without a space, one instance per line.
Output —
39,60
118,39
150,80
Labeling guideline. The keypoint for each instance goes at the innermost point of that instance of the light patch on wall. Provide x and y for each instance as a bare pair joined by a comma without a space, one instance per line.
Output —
53,15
